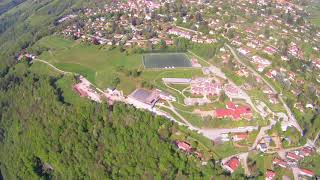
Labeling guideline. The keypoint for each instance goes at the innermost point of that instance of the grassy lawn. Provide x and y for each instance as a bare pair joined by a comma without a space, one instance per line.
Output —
227,149
311,163
192,118
179,87
171,113
314,9
206,51
257,94
84,71
69,95
55,43
234,77
264,162
197,141
65,83
43,69
228,123
99,65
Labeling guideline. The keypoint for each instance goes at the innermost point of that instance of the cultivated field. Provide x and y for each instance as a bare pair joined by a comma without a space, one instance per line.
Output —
166,61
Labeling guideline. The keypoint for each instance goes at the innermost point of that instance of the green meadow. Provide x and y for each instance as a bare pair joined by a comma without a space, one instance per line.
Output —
99,65
102,65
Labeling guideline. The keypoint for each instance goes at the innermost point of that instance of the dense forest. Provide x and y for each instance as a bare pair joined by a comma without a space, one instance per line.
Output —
6,5
44,136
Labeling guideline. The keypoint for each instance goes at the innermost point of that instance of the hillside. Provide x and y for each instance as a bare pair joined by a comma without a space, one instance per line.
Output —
135,89
47,131
6,5
28,21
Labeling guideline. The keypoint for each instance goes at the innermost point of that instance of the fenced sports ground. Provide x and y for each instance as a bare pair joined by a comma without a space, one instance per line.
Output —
166,61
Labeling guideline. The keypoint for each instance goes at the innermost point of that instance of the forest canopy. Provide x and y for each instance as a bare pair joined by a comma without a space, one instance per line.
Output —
45,136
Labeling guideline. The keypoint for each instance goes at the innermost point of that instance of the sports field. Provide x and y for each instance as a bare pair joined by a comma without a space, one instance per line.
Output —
166,61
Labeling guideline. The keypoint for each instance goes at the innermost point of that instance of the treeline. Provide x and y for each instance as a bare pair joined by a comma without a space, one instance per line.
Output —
41,137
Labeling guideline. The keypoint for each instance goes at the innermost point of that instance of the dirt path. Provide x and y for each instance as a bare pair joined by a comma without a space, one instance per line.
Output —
172,108
55,68
64,72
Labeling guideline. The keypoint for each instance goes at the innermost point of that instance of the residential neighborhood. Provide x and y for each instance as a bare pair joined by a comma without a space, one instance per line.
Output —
238,82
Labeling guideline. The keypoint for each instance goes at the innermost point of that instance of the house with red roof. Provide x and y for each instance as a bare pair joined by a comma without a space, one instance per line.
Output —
269,75
270,50
234,112
292,156
316,63
232,164
270,175
184,146
305,151
239,136
231,105
306,172
243,51
199,155
280,162
80,90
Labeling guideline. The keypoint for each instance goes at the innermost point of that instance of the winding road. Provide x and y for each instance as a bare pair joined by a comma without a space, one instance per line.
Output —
292,119
213,133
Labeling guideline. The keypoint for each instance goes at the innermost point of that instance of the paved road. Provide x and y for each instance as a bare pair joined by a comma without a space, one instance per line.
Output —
215,133
295,172
244,158
181,117
262,133
290,114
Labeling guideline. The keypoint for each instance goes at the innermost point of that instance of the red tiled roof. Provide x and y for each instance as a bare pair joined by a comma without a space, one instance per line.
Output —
233,163
234,112
183,145
230,105
240,136
81,92
270,174
306,151
280,162
293,156
306,172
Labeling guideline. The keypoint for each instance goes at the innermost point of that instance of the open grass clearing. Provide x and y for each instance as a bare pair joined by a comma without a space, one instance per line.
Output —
227,149
100,66
43,69
55,43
